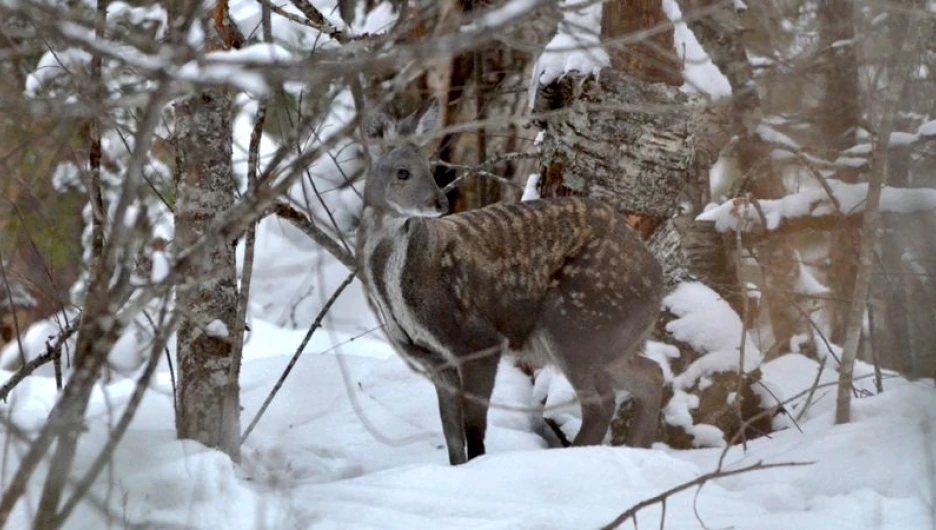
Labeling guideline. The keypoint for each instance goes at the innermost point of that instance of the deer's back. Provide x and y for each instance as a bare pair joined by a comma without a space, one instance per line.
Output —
505,265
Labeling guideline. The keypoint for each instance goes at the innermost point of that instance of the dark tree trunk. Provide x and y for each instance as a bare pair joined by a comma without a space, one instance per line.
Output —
839,116
483,85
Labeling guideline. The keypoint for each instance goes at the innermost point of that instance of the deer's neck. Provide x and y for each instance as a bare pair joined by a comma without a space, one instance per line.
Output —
377,226
385,260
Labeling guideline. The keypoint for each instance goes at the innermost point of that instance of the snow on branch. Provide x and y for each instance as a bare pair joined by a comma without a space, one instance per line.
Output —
748,215
575,48
857,155
512,9
224,67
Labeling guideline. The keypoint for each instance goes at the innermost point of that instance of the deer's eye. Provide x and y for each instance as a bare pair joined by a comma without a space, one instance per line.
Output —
402,174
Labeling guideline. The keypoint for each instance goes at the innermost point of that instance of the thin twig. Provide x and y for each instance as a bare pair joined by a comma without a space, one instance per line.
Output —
120,429
816,175
13,311
303,223
875,354
812,390
318,20
472,172
631,513
52,351
742,348
482,169
317,323
292,17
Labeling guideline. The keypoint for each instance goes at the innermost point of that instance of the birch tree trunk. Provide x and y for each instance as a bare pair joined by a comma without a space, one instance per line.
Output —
208,401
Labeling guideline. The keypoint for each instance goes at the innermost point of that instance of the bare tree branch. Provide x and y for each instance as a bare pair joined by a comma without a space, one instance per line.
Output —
631,513
300,221
52,351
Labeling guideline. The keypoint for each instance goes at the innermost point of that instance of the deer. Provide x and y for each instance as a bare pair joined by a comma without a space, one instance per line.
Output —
566,279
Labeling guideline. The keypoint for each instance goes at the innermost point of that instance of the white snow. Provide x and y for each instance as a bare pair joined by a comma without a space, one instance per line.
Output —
218,329
144,16
67,176
54,65
161,267
708,324
898,138
378,19
711,327
699,73
529,191
927,129
510,11
859,149
575,47
771,135
806,282
233,67
815,202
353,441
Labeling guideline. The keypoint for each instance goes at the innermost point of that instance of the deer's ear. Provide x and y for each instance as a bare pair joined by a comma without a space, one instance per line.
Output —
380,126
429,118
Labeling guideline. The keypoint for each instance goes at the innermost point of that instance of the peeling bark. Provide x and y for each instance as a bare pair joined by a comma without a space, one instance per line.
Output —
623,141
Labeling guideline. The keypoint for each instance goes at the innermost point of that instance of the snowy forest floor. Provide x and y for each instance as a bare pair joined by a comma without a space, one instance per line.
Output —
353,441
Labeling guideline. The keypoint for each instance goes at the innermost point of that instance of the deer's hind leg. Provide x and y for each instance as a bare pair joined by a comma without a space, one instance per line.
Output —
596,398
572,354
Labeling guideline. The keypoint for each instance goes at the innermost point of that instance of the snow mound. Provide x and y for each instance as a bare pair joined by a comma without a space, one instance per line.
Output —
575,48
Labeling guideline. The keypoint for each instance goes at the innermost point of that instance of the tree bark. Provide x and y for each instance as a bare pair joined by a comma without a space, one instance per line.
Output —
622,140
208,400
839,116
652,58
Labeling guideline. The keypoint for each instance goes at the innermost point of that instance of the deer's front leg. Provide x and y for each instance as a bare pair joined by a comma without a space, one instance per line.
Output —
448,386
478,382
448,390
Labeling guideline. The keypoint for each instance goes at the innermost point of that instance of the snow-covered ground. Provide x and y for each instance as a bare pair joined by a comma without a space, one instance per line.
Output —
353,441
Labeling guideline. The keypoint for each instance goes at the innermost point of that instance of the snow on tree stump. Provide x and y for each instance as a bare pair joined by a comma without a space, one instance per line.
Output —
717,408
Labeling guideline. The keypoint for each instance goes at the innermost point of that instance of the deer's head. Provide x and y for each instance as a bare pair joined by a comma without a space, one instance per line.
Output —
400,183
